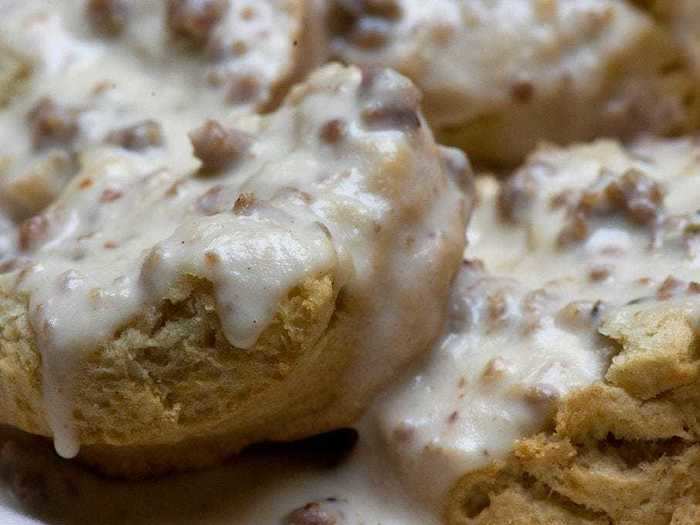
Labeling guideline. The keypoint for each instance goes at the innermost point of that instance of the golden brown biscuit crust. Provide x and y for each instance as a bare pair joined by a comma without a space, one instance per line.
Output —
171,372
165,387
624,451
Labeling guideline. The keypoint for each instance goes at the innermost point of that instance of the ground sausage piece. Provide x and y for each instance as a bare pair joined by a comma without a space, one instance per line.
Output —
137,137
111,195
632,194
576,230
670,287
388,9
310,514
332,131
32,231
107,16
52,124
242,89
515,197
522,91
244,203
218,147
194,19
639,196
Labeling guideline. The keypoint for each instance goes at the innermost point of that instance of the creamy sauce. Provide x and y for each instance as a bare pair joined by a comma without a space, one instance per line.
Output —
129,222
111,83
542,39
506,356
526,307
129,225
616,251
135,218
521,331
501,76
97,269
262,487
256,42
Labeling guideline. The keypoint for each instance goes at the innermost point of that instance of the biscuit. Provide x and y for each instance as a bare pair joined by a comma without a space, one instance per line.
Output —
623,449
564,386
163,316
78,74
500,77
14,70
682,17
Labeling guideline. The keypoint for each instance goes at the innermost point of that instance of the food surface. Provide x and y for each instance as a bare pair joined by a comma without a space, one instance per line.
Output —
217,249
501,76
77,74
505,358
682,17
151,305
612,232
554,389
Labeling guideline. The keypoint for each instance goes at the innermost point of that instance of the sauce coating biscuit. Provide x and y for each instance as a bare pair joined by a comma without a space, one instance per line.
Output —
155,308
76,74
500,77
564,389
